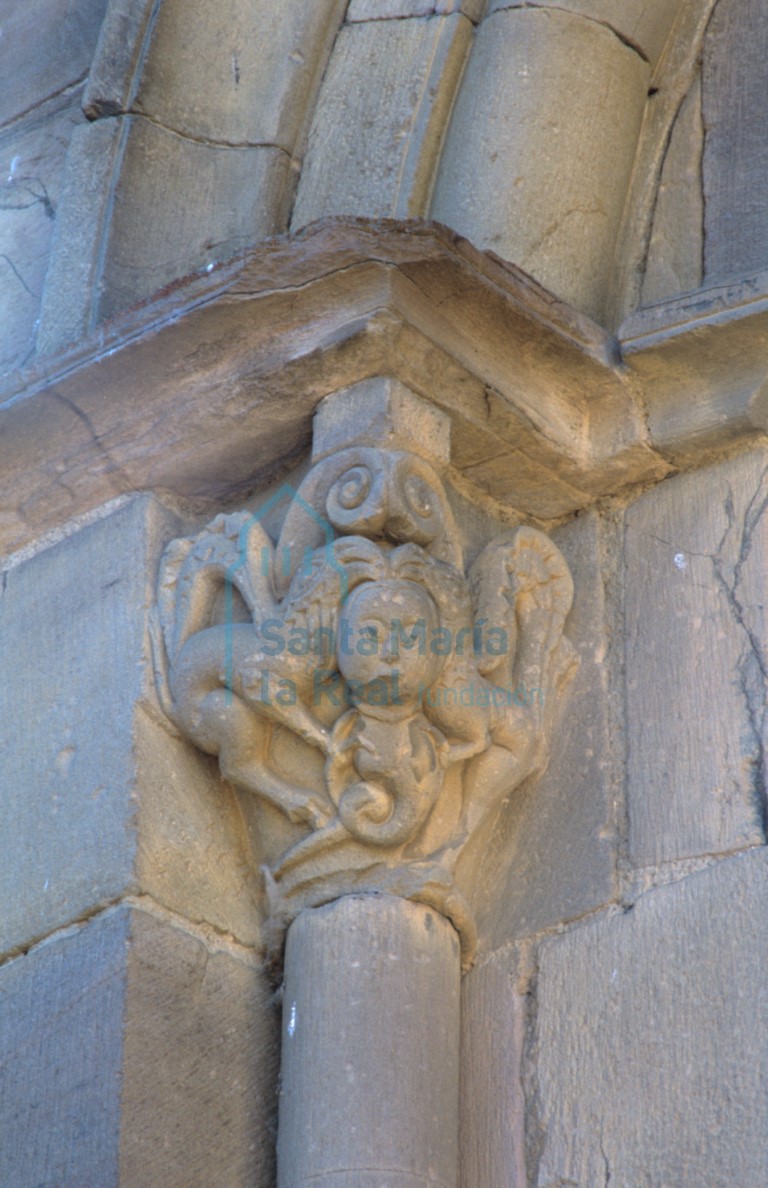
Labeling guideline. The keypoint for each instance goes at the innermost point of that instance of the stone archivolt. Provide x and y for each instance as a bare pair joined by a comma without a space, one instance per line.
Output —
378,699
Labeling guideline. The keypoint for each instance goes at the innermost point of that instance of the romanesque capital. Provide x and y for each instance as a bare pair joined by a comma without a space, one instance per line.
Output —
377,695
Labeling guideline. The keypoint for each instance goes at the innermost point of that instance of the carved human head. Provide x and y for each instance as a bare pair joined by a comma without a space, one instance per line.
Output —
384,638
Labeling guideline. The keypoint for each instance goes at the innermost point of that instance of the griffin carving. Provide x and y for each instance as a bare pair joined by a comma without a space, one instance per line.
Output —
418,694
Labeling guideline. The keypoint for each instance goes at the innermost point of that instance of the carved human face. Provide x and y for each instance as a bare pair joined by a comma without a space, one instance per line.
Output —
384,639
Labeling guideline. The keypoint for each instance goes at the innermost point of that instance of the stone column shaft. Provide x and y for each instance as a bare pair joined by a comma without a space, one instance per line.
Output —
370,1063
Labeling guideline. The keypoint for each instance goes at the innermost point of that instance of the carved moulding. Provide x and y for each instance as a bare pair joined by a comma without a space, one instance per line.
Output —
379,697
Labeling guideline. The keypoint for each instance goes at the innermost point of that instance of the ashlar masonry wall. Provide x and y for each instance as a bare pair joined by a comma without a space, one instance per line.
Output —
627,1024
612,1026
614,1023
138,1027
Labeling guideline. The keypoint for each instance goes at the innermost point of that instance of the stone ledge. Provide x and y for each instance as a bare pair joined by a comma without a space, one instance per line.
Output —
207,390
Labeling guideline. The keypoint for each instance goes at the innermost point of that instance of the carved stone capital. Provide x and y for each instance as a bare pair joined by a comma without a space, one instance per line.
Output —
379,697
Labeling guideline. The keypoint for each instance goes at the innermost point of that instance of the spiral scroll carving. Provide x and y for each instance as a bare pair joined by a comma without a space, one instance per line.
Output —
391,670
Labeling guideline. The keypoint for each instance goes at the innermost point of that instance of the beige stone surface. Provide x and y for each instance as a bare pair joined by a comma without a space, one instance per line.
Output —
644,24
237,71
32,157
98,798
377,411
700,360
492,1134
674,78
380,118
82,216
735,159
241,195
513,479
61,1056
675,260
128,1048
375,10
46,46
192,853
217,399
118,57
201,1049
696,661
650,1052
73,635
552,856
108,255
539,153
370,1047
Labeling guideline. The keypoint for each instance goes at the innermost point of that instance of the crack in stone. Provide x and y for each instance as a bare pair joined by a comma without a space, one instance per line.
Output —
658,177
350,22
18,275
214,939
385,1172
702,169
25,183
24,948
606,1165
34,109
752,669
112,467
668,543
555,226
643,880
203,140
535,1131
622,37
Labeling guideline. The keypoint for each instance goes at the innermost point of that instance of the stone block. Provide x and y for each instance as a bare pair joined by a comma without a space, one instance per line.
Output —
651,1053
492,1135
119,53
380,117
200,1063
192,855
128,1048
73,643
381,412
47,46
539,152
695,557
370,1057
381,10
735,158
517,479
556,843
71,281
157,234
670,143
674,263
31,168
98,798
127,226
61,1047
643,25
239,72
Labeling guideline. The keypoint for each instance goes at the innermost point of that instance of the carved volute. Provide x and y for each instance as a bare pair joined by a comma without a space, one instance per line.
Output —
378,697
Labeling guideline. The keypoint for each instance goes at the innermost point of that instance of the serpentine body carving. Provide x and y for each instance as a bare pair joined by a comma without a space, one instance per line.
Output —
356,679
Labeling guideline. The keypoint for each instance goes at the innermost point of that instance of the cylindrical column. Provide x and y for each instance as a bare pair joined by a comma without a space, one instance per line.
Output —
539,154
370,1063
